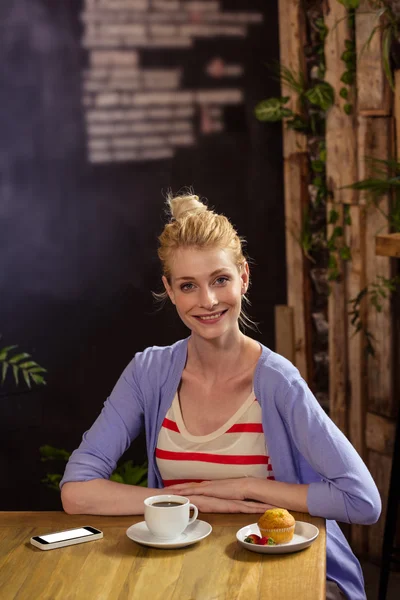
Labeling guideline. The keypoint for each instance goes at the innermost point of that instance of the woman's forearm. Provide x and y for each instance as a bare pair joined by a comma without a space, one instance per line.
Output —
292,496
105,497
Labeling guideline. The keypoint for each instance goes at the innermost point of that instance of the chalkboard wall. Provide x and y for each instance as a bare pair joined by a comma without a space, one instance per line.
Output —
78,241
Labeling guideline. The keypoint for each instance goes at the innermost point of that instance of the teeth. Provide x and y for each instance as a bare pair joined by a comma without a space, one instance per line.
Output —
209,318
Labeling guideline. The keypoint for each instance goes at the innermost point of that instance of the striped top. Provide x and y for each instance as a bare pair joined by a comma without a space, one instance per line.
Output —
236,449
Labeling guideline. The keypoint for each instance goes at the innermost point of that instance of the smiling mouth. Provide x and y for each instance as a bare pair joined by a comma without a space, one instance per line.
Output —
212,317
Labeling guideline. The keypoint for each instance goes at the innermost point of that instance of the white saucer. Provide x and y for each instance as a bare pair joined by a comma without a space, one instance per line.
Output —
193,533
304,535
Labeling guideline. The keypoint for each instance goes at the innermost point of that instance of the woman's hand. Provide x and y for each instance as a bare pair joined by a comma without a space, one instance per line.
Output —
230,489
208,504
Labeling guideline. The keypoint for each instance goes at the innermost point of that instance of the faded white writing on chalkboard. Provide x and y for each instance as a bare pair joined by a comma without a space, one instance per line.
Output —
137,112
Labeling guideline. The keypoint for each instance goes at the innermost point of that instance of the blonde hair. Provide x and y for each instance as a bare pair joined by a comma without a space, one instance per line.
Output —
193,224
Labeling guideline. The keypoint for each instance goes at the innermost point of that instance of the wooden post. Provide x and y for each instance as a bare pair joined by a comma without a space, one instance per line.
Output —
341,168
284,332
374,96
292,40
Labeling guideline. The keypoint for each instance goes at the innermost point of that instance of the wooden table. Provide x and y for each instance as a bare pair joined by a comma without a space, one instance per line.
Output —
117,568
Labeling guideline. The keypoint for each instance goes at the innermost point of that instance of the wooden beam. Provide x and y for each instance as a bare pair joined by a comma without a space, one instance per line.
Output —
355,282
292,40
374,97
388,244
284,332
341,166
375,141
380,433
337,319
380,467
298,279
292,33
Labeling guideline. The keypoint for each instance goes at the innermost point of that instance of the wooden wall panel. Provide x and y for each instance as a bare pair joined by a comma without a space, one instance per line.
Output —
284,332
374,141
380,468
292,30
380,434
298,294
292,34
340,128
355,280
337,319
373,91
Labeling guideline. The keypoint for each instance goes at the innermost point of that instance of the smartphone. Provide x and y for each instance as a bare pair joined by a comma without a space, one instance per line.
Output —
68,537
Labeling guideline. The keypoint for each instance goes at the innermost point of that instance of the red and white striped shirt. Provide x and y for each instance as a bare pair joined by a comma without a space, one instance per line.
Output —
237,449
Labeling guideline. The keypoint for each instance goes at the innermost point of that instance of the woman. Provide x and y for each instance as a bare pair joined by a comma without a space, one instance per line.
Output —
228,422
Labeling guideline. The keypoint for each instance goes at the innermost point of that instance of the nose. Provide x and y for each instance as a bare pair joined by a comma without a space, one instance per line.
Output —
207,299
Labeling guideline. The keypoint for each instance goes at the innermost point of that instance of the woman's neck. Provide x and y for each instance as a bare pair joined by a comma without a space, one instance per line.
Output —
223,358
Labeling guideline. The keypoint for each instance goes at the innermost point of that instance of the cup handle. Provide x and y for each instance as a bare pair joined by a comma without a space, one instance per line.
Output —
196,513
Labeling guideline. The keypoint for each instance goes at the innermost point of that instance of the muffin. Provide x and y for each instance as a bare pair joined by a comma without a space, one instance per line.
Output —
277,523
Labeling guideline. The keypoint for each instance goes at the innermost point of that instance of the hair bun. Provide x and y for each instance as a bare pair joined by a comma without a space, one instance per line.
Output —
180,205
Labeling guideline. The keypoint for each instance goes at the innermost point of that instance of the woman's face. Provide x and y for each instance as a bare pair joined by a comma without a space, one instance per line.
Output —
206,287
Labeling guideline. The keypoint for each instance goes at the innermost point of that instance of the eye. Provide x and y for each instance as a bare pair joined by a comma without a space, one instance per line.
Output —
187,287
222,280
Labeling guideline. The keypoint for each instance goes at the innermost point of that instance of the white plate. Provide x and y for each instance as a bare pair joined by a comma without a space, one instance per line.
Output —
193,533
304,535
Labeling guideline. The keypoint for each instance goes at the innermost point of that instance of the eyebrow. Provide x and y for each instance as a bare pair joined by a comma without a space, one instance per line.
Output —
216,272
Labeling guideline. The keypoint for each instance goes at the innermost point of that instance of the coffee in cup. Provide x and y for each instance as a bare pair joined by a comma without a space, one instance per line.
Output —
167,516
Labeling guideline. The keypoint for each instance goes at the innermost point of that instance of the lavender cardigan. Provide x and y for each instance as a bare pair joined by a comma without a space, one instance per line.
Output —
305,446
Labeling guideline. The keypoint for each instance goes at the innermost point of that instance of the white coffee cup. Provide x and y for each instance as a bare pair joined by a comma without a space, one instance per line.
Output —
167,516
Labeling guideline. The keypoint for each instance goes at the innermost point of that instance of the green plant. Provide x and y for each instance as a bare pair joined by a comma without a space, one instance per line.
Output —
311,100
336,244
31,371
386,181
126,472
376,291
388,25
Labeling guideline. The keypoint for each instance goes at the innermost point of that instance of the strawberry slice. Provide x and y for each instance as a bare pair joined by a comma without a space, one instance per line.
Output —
266,541
253,538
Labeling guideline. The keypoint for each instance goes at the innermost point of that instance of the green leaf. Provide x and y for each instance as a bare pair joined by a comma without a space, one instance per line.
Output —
317,166
333,216
350,4
321,95
345,253
386,44
298,123
332,264
131,474
38,370
50,453
338,231
348,56
26,377
5,351
18,357
117,478
347,78
272,110
296,83
374,185
348,108
38,379
4,372
16,374
27,365
52,481
344,93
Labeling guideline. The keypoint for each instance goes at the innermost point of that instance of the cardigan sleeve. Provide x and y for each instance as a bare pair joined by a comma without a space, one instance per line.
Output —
346,491
118,424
